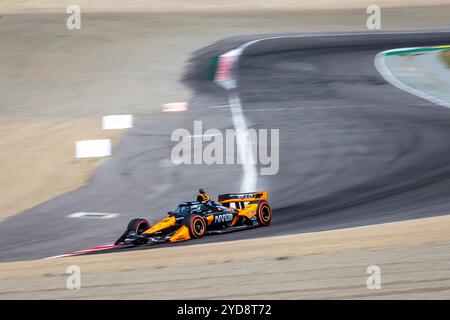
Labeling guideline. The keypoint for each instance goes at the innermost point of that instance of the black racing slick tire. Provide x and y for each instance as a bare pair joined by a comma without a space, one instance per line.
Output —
138,225
196,225
134,229
264,213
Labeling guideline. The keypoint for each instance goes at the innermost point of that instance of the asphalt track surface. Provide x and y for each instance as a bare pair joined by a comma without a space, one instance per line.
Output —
354,150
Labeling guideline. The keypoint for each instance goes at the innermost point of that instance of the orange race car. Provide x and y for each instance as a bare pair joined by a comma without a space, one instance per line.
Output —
192,220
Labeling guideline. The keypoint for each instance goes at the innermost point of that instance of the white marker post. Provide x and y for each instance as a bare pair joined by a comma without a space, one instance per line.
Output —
113,122
93,148
93,215
174,107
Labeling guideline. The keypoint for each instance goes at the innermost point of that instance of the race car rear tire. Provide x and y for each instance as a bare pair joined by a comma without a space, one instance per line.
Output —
138,225
264,213
197,226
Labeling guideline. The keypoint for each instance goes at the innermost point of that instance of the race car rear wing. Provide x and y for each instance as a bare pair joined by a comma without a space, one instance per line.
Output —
243,197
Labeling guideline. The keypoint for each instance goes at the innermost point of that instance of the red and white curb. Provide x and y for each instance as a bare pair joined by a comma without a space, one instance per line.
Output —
80,252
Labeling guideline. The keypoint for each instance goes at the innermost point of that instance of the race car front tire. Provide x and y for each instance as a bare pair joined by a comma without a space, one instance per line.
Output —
138,225
197,226
135,228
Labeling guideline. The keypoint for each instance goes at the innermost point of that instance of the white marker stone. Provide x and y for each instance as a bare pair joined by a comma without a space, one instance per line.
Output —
174,107
123,121
93,215
93,148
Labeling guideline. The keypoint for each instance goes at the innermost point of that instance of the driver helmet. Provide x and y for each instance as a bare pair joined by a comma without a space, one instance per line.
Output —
202,196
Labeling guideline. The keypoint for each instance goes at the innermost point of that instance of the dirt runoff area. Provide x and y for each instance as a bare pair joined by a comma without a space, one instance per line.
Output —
14,6
412,257
38,158
446,57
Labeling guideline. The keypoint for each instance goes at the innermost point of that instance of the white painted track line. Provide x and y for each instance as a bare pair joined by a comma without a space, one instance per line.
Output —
250,174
